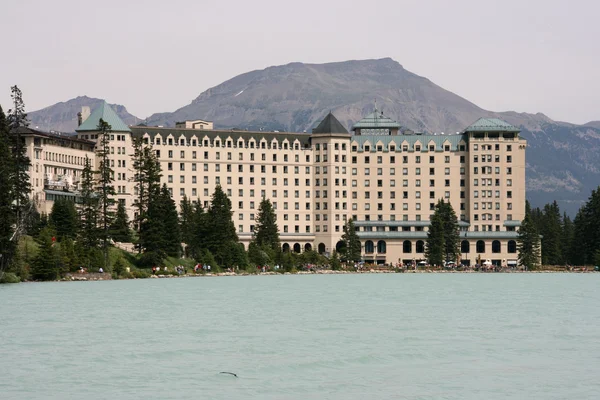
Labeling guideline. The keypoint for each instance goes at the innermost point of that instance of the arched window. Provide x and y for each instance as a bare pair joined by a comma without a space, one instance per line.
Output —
407,246
297,248
512,246
321,248
381,248
285,247
465,247
420,246
496,246
368,246
340,246
480,246
307,247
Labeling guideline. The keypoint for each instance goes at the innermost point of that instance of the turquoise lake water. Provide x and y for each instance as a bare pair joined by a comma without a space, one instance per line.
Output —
372,336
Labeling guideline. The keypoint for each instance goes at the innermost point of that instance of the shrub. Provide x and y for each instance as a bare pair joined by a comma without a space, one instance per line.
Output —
140,274
9,277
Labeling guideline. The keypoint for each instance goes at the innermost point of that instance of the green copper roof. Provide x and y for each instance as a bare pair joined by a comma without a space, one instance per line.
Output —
376,120
491,125
330,124
106,113
425,140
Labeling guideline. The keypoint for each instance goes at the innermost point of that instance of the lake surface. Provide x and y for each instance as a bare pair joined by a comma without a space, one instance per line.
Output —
372,336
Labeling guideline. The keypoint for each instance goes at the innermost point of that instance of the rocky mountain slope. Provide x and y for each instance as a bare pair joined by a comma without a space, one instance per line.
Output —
295,97
62,116
562,161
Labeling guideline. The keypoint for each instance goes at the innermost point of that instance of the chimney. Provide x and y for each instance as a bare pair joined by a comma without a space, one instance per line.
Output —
79,121
85,113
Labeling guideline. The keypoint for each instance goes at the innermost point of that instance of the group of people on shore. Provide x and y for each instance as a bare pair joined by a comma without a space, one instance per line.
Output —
204,267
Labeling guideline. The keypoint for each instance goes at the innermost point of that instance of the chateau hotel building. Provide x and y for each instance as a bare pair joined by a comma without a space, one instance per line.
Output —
386,179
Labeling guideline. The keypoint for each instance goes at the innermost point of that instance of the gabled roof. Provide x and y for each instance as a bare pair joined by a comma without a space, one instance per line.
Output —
330,124
106,113
491,125
376,120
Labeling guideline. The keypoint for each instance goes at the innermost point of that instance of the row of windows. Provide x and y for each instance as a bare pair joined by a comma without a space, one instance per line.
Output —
217,142
405,160
489,147
229,156
240,168
62,158
488,158
392,171
406,147
488,170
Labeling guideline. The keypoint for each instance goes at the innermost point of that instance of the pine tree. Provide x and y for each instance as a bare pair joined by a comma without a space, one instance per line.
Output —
46,265
198,231
586,240
528,243
220,235
152,238
186,222
266,232
334,262
146,177
436,244
451,232
170,223
119,230
105,188
21,187
567,234
63,219
550,229
7,214
88,210
352,247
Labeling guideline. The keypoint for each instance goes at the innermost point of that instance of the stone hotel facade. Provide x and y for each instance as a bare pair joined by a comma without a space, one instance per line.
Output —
385,178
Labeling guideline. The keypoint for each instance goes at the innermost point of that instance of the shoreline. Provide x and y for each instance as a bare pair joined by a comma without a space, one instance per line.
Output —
106,277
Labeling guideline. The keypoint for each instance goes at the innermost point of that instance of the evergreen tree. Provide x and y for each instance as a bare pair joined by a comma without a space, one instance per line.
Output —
46,265
586,240
33,220
170,224
550,228
186,222
88,211
63,219
334,262
21,187
68,257
147,179
352,247
436,244
152,238
266,232
119,230
198,231
567,234
7,214
451,232
105,187
258,255
528,243
220,235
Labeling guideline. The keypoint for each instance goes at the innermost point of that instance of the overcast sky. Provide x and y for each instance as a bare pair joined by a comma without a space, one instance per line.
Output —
157,55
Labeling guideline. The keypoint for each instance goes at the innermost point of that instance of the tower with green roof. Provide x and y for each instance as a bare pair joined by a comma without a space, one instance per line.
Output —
121,149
